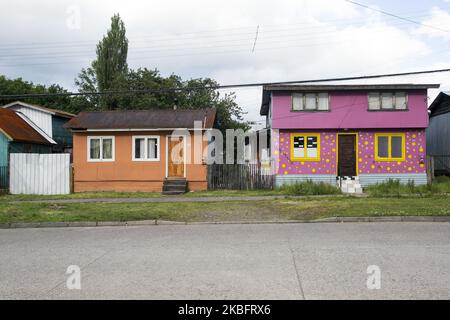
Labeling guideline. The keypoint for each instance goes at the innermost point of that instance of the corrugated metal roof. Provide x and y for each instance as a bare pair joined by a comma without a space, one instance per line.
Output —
441,104
18,129
145,119
60,113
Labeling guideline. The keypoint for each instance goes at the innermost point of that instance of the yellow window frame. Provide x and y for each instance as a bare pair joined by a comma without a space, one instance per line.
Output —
305,136
389,157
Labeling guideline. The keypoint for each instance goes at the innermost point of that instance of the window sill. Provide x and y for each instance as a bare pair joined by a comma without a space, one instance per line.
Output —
146,160
97,160
389,160
388,110
310,111
305,160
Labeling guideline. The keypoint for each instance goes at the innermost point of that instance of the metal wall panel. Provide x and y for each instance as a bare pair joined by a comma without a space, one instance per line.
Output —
42,119
32,173
438,135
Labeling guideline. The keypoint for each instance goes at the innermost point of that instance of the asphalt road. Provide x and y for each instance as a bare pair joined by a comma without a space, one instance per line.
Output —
274,261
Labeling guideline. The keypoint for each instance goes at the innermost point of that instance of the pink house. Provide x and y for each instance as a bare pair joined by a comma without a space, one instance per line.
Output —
366,133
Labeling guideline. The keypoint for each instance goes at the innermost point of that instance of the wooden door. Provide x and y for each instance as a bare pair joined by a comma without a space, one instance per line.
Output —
347,155
175,161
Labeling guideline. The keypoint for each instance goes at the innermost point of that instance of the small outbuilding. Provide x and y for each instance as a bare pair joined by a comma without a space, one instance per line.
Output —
438,133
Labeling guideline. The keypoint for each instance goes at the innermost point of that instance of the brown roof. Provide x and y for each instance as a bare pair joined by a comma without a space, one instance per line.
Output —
18,129
145,119
60,113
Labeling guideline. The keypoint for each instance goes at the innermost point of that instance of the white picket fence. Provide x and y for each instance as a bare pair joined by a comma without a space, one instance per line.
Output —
32,173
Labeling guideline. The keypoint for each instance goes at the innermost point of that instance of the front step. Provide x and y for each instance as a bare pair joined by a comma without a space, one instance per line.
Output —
174,186
349,185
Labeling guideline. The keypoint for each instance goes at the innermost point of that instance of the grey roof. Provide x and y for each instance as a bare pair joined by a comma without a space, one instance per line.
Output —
441,104
143,119
339,87
336,87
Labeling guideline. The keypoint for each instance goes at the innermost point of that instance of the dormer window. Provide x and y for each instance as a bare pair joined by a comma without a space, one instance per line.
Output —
310,101
387,101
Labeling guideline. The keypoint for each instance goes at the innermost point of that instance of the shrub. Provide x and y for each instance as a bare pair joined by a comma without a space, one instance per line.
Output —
308,188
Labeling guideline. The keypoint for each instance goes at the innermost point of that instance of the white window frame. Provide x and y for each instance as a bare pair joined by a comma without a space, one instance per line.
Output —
302,96
394,101
113,148
146,148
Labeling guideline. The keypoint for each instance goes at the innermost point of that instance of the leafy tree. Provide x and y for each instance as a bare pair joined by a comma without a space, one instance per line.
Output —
19,86
110,67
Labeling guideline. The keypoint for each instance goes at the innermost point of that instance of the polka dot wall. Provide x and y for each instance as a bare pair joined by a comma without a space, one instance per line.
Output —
414,162
326,165
414,156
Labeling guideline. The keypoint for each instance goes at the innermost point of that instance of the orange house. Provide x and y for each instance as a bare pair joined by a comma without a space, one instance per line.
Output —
150,150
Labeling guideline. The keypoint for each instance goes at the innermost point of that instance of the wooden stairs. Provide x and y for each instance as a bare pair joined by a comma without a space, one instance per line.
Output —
174,186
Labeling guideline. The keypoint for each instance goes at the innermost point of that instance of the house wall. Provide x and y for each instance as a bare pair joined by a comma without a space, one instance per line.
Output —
3,150
349,110
23,147
124,174
61,135
438,142
369,170
438,135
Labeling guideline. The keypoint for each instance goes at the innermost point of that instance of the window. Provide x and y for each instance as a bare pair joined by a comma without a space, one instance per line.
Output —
100,148
310,101
387,101
146,148
389,146
305,147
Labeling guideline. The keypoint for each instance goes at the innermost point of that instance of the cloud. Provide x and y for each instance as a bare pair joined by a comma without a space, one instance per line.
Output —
440,19
298,39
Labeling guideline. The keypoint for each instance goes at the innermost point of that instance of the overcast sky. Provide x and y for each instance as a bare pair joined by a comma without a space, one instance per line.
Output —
50,41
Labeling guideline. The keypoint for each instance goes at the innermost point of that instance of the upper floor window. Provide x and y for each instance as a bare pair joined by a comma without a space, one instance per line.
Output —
310,101
100,148
146,148
388,101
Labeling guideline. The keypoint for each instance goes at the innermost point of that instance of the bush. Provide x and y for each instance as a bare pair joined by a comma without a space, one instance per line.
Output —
309,188
393,187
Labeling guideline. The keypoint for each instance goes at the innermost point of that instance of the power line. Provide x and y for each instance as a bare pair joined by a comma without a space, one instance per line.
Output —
230,86
396,16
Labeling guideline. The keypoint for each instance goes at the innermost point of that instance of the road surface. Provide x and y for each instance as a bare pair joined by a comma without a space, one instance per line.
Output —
267,261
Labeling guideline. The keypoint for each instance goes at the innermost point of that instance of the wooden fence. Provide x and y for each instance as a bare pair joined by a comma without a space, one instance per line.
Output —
240,177
32,173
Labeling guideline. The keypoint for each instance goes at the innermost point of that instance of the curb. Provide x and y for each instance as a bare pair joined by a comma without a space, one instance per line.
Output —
21,225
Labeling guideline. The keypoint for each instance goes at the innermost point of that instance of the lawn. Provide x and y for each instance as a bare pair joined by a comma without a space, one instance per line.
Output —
304,188
271,210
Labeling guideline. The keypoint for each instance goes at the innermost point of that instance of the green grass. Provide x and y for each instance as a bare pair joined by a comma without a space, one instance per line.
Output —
271,210
394,188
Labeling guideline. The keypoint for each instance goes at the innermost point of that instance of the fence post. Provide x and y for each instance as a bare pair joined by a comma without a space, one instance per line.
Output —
430,169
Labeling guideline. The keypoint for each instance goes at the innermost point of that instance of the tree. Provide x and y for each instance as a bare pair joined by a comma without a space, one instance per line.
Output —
19,87
110,67
109,72
172,90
